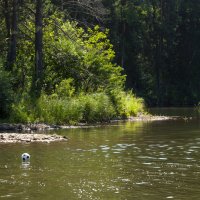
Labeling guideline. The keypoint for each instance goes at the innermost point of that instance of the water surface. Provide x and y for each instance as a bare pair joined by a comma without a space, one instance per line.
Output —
130,160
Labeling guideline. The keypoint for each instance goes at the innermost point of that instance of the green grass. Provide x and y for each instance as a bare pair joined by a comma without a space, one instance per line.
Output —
88,108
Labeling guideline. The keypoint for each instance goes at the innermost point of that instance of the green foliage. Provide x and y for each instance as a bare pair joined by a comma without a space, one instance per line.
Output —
89,108
98,60
65,88
65,110
97,107
24,64
85,56
6,92
23,110
157,43
126,104
80,77
51,109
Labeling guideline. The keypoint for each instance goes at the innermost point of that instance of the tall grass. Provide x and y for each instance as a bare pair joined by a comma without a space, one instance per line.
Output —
88,108
127,104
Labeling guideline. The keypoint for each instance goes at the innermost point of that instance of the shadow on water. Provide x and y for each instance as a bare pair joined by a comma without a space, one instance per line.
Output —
132,160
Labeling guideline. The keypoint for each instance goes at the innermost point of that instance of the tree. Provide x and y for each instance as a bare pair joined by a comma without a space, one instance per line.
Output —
87,13
156,43
11,25
38,48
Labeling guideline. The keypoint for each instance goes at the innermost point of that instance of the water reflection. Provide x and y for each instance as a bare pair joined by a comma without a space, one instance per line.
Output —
25,165
150,161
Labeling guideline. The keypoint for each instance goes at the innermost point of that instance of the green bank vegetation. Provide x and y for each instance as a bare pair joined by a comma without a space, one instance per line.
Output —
79,83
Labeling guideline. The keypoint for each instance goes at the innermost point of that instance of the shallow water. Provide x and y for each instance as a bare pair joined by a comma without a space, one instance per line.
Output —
132,160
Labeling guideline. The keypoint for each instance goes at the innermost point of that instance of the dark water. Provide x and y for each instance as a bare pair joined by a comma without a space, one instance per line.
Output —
138,160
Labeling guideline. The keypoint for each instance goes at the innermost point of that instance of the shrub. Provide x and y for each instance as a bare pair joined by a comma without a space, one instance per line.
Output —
81,108
65,88
126,104
52,109
23,109
133,105
97,107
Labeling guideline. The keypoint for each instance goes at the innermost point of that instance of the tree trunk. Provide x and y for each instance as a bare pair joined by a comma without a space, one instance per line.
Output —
62,5
13,37
38,48
123,30
7,18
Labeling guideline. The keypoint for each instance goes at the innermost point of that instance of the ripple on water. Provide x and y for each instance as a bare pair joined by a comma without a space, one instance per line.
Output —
104,148
162,158
117,148
6,196
147,163
143,183
151,158
3,181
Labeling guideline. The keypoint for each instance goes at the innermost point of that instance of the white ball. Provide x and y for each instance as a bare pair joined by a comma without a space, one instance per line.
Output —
25,157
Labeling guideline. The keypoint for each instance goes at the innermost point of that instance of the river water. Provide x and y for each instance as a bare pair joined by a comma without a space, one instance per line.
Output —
127,160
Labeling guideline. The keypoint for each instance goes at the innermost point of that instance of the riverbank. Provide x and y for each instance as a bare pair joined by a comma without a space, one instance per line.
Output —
28,133
35,127
14,133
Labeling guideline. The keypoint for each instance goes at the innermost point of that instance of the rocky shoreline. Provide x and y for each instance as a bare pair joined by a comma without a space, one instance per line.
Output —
35,127
28,133
5,127
30,137
15,133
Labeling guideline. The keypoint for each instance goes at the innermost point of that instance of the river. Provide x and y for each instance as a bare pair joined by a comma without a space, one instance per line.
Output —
124,161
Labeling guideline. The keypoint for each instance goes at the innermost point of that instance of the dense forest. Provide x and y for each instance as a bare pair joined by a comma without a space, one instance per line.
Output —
158,44
67,61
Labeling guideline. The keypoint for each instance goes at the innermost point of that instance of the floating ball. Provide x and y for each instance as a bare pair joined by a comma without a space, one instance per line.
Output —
25,157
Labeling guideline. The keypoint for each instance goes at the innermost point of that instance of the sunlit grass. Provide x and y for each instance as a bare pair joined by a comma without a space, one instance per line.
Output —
87,108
